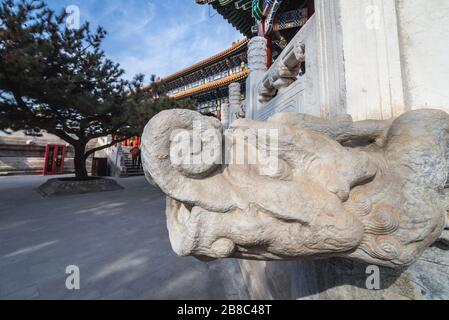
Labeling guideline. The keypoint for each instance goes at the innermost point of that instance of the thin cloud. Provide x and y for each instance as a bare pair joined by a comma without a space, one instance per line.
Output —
156,36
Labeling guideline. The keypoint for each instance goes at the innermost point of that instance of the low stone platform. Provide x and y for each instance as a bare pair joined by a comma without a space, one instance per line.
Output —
69,186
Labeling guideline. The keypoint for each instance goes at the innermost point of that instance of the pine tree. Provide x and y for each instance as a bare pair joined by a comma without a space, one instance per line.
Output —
58,79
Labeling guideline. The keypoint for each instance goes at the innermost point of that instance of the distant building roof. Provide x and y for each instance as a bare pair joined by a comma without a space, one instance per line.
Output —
236,47
213,85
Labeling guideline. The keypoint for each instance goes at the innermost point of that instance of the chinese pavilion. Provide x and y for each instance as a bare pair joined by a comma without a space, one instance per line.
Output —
218,85
276,20
207,81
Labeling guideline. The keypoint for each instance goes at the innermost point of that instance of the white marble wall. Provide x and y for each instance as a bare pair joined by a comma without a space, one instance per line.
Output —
424,40
372,59
373,77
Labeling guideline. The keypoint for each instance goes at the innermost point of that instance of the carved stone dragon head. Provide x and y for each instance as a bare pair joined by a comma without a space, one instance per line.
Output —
373,191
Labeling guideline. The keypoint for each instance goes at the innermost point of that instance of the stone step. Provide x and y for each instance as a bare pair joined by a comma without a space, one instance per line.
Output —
134,171
136,174
131,171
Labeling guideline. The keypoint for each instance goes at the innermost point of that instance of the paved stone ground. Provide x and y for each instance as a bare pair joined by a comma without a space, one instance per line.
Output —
118,240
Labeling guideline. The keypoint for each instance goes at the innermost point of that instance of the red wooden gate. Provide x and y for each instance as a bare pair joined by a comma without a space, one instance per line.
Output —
54,159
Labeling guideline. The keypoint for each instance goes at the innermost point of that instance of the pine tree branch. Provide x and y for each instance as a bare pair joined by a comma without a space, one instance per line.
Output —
107,132
64,136
112,143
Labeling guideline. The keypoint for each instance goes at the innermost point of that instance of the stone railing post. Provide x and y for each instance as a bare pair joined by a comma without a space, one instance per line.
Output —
257,63
225,115
235,101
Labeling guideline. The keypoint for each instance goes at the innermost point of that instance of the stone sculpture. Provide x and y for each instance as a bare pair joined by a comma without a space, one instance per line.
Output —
373,191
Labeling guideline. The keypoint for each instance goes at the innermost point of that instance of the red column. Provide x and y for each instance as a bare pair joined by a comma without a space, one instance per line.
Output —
261,33
269,51
64,152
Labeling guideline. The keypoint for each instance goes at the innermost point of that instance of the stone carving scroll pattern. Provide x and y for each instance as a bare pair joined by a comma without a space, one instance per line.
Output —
374,191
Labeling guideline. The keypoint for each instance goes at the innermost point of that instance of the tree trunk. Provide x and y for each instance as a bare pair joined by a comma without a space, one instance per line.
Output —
80,162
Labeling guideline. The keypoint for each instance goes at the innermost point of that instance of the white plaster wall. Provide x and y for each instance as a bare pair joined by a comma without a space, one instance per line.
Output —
424,38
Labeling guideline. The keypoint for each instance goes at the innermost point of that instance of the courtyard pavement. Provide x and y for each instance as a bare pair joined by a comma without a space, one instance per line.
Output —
119,241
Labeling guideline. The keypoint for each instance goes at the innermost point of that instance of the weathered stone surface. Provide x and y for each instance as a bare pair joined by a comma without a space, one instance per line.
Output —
342,279
66,187
371,191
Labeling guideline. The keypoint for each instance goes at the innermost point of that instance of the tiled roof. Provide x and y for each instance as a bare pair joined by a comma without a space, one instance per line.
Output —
212,85
237,12
206,62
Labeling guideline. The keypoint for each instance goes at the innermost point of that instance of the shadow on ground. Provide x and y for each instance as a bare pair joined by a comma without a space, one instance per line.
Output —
118,239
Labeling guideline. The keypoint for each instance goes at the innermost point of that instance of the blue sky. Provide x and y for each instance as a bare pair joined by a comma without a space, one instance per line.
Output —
155,36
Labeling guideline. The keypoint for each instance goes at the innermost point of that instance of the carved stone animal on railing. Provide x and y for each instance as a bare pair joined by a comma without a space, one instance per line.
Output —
374,191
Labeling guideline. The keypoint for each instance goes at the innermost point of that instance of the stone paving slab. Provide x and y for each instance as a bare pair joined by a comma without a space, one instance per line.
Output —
118,239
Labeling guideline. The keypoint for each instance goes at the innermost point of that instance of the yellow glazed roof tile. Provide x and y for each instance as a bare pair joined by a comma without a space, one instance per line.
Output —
205,62
212,85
